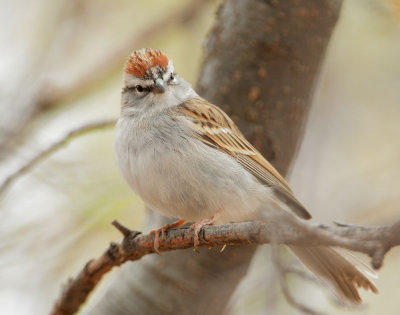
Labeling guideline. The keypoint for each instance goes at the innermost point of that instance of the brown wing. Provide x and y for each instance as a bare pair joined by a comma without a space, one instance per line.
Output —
213,127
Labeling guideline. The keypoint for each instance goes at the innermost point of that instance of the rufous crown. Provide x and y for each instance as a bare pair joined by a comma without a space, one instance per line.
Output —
142,61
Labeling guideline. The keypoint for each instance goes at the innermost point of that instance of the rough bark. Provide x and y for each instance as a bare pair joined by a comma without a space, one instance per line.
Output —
261,61
374,241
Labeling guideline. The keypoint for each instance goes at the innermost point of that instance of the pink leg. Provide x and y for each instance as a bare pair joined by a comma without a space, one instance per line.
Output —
162,230
196,227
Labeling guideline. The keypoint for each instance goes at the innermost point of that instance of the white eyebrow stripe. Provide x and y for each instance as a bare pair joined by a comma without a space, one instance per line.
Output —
133,82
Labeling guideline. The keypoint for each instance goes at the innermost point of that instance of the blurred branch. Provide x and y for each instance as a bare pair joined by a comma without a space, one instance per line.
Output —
41,54
113,60
373,241
40,156
283,272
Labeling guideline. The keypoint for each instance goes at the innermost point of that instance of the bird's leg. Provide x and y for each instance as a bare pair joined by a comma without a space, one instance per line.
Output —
196,227
162,230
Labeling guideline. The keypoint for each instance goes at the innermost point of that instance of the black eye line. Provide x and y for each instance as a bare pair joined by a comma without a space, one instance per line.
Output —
135,88
143,88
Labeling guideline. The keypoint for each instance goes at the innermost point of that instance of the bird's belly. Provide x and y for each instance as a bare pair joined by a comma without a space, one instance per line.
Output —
185,182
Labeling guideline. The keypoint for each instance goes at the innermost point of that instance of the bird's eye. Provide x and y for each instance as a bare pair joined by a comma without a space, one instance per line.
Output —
139,88
172,77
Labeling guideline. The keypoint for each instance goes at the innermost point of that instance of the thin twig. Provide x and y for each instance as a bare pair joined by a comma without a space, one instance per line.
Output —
40,156
374,241
283,271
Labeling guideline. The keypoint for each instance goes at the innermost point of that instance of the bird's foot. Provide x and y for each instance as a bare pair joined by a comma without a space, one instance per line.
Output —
161,230
196,227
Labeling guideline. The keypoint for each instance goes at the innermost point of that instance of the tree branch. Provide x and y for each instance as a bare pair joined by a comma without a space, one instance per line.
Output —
283,272
373,241
51,148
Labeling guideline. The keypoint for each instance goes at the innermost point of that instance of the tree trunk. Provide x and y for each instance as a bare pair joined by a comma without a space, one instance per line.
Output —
261,62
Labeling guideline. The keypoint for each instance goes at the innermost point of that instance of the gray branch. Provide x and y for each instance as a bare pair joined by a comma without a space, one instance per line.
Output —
53,147
373,241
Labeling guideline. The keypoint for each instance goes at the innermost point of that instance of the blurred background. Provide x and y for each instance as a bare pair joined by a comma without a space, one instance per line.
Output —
60,69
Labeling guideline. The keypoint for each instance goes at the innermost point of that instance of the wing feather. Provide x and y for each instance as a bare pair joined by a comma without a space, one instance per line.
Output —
213,127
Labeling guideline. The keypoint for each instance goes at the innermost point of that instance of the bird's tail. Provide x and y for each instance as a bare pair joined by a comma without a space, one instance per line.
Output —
343,273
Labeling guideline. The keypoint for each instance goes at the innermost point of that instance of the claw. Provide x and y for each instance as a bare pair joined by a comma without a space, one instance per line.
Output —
161,230
196,227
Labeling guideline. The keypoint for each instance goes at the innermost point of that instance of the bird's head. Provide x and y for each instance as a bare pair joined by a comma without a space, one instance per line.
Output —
150,80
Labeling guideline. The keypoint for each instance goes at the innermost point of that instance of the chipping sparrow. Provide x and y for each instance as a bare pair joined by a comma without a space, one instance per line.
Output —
187,159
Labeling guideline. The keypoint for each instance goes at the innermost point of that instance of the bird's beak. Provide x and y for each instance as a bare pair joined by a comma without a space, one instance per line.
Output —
159,86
